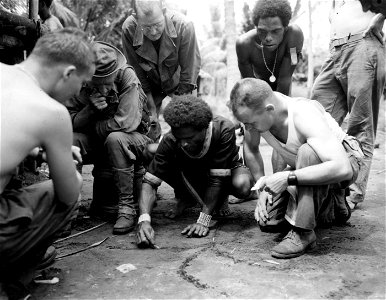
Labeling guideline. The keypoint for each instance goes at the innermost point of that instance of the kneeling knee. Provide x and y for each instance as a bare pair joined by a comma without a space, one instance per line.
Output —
242,187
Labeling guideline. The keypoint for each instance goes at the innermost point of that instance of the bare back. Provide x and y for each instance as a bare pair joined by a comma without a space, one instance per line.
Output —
30,118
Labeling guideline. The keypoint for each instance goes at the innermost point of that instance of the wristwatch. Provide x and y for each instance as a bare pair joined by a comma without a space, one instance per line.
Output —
292,179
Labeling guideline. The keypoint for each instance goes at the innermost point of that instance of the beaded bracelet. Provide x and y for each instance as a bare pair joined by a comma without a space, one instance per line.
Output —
204,219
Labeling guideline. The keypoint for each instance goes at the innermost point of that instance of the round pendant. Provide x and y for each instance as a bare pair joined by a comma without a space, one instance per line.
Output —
272,78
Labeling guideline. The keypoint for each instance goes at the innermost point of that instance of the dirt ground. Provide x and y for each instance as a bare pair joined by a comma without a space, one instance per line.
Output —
233,261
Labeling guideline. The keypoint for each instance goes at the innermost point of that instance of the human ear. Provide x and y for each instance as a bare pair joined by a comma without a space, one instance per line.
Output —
270,107
69,71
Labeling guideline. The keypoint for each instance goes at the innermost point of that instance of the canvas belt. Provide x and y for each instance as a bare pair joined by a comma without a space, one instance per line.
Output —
347,39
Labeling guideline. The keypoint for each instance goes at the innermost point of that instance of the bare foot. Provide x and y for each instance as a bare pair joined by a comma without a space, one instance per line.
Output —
178,208
223,212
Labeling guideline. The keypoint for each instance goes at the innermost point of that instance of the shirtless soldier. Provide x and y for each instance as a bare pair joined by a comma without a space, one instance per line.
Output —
32,217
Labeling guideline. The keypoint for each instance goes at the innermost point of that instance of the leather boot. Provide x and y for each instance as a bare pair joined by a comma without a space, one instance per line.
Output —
139,172
124,181
294,244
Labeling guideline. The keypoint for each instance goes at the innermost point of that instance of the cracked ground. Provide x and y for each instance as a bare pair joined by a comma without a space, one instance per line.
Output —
233,261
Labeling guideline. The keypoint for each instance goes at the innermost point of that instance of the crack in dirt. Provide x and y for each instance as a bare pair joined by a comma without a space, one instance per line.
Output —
190,278
186,263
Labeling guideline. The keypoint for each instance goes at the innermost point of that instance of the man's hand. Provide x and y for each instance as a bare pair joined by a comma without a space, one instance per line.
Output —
98,101
196,230
261,213
76,154
274,184
145,235
375,26
154,118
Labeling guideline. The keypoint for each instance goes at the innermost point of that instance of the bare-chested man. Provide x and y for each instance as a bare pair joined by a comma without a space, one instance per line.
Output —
31,217
272,50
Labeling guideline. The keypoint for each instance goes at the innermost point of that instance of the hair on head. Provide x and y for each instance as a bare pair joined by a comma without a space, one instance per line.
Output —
249,92
146,7
188,111
68,45
48,3
272,8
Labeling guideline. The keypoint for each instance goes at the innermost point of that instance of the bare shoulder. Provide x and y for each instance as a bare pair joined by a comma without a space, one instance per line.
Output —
247,38
54,113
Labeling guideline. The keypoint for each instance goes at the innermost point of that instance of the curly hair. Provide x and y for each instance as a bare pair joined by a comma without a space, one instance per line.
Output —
188,111
272,8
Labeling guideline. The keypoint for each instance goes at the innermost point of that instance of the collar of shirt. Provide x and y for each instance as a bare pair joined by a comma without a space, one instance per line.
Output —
167,46
206,145
169,30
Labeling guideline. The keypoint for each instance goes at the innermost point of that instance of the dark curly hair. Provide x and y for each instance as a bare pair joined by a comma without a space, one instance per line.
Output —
188,110
272,8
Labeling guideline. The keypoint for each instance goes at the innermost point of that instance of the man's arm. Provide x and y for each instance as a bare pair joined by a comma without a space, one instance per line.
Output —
242,51
252,156
159,166
57,142
290,60
151,105
189,59
219,166
335,165
129,112
145,232
131,56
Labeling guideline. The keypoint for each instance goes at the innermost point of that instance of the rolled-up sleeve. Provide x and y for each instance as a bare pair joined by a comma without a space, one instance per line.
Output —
129,112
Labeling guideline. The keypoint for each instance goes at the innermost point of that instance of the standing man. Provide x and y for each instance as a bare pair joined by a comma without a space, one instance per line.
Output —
199,158
47,18
31,218
311,189
272,50
162,47
352,79
110,121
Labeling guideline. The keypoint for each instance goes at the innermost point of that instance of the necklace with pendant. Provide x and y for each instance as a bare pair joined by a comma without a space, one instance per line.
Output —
272,78
28,74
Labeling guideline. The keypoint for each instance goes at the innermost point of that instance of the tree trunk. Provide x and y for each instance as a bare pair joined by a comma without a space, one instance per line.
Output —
310,77
233,73
33,9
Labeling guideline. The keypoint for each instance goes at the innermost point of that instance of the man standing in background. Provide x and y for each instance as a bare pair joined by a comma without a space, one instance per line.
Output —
162,47
47,18
352,79
272,50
